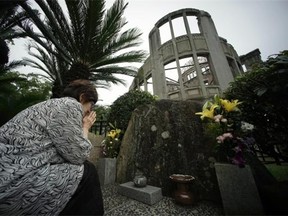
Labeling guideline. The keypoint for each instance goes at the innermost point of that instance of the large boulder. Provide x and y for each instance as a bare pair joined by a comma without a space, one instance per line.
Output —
167,138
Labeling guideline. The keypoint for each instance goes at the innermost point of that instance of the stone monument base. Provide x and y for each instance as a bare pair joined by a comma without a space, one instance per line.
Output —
148,195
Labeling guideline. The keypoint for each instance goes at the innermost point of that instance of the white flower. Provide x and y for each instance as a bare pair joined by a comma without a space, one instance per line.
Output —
246,126
165,135
153,128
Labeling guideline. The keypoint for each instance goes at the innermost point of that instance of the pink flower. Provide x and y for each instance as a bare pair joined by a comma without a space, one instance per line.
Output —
223,137
220,139
224,120
228,135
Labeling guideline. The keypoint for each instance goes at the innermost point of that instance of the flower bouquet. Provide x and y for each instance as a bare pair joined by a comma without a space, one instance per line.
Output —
223,122
111,144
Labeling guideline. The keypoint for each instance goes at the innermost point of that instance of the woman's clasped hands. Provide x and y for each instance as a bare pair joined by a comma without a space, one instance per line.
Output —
89,119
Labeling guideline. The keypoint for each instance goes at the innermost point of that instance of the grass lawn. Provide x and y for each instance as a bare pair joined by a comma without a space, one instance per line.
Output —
279,172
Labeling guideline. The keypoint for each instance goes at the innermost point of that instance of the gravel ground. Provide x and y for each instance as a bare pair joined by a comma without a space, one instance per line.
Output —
115,204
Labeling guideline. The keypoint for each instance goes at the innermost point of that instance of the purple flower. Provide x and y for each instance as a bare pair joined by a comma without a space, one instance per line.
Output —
238,159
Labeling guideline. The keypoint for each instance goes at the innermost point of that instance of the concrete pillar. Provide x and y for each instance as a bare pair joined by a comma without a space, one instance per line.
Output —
145,84
235,64
219,61
195,59
180,79
158,72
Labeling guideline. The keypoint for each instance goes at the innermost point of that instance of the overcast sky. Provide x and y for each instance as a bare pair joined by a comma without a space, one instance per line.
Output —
245,24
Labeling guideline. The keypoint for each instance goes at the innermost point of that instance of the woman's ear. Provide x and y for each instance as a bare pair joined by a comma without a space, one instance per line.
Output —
81,98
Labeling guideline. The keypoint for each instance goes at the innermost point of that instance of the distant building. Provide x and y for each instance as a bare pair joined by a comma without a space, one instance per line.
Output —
250,59
205,62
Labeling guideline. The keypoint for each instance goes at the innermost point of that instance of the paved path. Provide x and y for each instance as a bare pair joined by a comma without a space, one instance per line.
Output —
115,204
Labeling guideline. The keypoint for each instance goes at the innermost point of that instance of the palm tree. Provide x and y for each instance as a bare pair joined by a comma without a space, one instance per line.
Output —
89,40
52,65
9,19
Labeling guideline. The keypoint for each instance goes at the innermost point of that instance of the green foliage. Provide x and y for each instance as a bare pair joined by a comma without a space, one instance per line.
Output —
7,78
21,93
279,172
264,93
123,107
102,112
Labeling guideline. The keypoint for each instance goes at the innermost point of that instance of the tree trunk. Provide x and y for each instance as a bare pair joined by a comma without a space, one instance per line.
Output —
4,52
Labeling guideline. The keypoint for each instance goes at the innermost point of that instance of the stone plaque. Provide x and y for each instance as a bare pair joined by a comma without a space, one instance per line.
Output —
106,170
238,190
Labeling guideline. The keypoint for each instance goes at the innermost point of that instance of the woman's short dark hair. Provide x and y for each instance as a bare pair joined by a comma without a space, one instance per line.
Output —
80,86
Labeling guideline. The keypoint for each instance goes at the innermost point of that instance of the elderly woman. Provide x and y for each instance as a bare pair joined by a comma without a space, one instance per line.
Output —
43,152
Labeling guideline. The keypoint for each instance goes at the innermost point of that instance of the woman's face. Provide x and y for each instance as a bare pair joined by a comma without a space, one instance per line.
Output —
87,107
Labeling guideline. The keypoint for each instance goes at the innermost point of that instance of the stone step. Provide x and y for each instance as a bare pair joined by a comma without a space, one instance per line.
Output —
148,194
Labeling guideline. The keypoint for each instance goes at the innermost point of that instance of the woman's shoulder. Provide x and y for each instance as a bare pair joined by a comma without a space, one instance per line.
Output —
64,101
65,104
56,105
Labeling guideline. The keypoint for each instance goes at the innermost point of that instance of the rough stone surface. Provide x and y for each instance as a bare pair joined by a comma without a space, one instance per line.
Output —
165,139
148,194
238,190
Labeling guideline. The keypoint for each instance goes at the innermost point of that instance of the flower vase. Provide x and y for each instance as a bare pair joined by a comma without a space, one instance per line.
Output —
182,194
106,170
140,181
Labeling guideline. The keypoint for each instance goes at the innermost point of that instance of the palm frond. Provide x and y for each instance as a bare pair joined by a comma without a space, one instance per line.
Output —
107,78
65,30
55,22
116,69
34,64
8,25
12,65
47,62
75,9
93,23
34,16
127,39
132,56
112,22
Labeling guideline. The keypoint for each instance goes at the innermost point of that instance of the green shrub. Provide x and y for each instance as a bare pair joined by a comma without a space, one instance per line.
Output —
102,112
22,92
122,108
279,172
264,96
